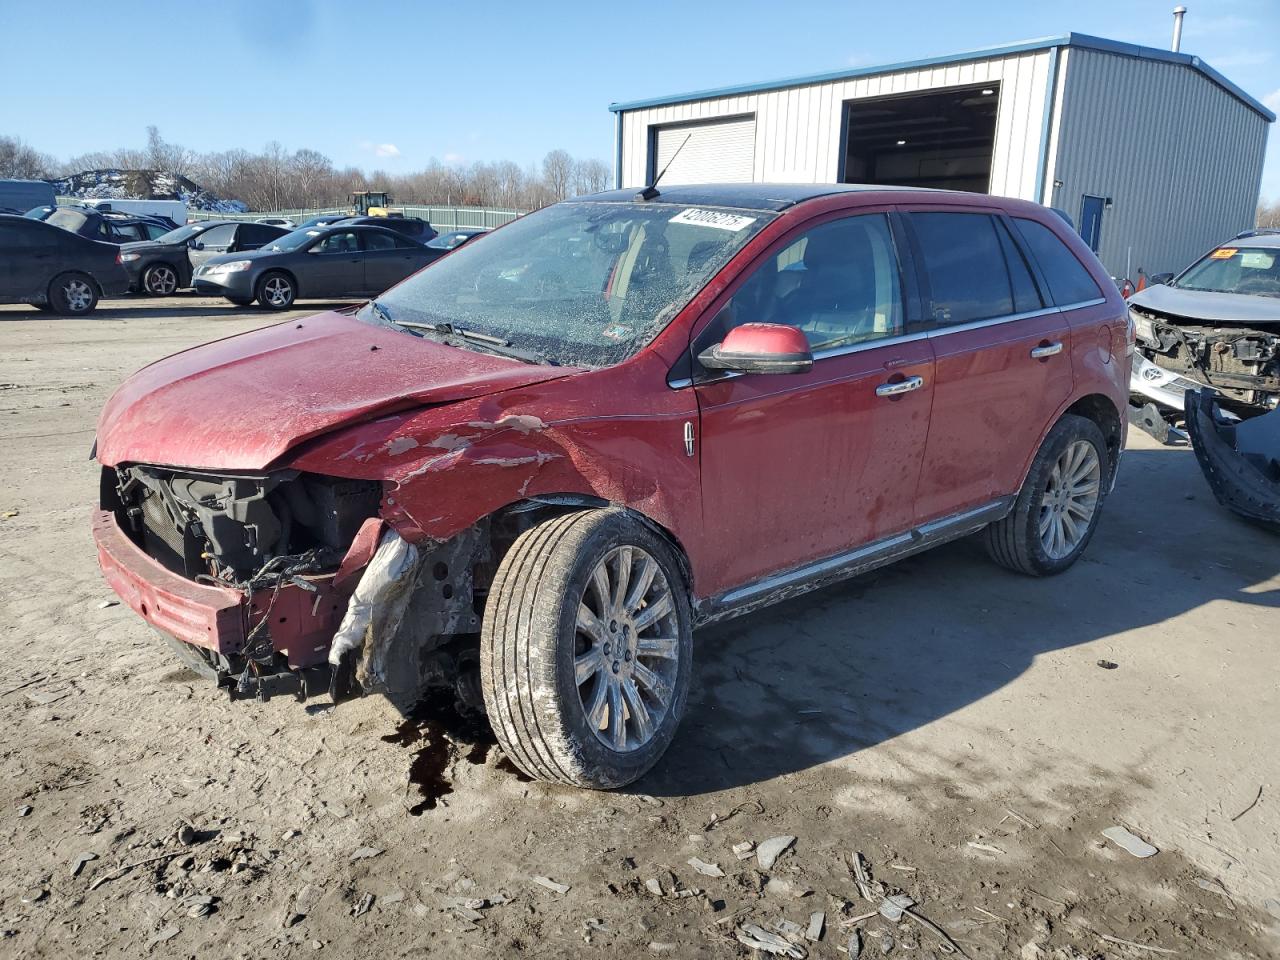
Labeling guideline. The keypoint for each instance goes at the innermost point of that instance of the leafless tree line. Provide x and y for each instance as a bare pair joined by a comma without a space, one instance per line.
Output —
1269,215
277,179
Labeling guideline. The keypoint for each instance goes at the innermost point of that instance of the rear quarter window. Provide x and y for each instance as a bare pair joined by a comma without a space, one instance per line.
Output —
1069,282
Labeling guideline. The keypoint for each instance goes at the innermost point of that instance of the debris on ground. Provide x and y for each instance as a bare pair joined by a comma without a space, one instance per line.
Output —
704,868
1108,664
817,922
757,938
1127,840
363,905
165,935
551,884
770,850
108,603
654,886
1249,807
365,853
78,863
744,850
854,949
892,908
24,810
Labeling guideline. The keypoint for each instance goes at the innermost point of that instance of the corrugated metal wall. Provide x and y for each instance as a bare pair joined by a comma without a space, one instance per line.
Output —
798,128
1180,157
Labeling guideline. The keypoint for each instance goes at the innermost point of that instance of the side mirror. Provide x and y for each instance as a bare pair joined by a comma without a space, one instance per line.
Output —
1160,278
760,348
197,244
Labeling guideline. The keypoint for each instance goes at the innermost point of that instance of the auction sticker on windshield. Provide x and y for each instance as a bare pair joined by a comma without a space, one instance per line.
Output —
713,218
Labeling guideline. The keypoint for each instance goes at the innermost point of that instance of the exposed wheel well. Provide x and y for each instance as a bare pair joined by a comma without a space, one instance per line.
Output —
517,517
1102,411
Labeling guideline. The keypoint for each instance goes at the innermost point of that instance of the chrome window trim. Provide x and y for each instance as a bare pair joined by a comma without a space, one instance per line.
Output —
912,337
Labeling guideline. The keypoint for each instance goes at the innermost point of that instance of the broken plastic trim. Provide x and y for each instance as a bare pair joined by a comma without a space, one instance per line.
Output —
376,608
1246,484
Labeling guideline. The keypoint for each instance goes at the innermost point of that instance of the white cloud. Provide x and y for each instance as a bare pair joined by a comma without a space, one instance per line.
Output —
454,159
379,149
1272,101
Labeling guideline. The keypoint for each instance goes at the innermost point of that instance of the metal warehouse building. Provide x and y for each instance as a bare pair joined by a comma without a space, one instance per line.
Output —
1155,155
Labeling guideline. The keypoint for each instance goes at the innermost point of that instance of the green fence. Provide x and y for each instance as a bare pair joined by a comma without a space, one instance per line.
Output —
442,218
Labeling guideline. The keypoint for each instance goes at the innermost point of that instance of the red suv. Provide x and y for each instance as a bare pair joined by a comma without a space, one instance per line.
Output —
529,471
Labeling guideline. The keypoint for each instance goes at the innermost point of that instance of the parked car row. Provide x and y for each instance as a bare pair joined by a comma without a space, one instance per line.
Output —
242,261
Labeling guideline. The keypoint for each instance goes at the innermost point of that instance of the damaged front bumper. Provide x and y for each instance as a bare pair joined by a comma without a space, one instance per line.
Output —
1241,460
226,623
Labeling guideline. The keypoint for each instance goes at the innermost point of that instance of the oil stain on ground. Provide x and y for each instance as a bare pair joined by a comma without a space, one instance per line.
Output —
431,731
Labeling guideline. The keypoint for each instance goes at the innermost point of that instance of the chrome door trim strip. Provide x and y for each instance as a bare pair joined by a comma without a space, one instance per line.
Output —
810,576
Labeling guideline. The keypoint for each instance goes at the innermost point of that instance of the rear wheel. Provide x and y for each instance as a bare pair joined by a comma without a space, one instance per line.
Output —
73,294
586,649
240,301
159,280
1057,509
276,291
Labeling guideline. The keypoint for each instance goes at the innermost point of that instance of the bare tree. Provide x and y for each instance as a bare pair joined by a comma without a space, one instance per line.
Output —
590,176
1268,215
19,161
557,168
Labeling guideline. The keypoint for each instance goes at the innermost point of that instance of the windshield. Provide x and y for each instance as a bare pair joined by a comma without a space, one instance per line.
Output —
578,283
187,232
296,239
1248,270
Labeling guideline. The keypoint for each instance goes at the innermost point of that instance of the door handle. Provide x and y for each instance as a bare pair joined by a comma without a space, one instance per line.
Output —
1046,350
900,386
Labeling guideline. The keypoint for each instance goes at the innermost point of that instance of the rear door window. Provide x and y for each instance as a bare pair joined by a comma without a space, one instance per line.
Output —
254,235
377,240
1069,282
219,236
965,268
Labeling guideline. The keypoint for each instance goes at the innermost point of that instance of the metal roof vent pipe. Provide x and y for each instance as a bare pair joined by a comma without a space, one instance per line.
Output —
1178,13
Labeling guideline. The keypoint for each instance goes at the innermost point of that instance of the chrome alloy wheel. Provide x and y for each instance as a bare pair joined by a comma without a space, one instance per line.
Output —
79,295
626,648
279,291
161,281
1070,499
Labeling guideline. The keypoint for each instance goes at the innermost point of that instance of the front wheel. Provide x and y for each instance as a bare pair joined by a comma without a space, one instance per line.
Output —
276,291
1057,509
159,280
586,649
73,294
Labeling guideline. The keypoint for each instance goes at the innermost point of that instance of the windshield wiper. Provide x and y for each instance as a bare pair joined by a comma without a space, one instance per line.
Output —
381,312
498,345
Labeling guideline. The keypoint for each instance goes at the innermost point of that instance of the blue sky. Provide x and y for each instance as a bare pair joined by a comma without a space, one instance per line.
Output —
384,84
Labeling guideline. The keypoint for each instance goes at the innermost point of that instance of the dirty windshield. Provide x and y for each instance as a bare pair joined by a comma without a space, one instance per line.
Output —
1248,270
578,283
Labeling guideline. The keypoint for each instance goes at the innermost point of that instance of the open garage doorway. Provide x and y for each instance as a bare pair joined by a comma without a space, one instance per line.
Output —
939,138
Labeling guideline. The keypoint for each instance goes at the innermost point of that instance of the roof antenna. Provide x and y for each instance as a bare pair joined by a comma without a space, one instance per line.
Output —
651,191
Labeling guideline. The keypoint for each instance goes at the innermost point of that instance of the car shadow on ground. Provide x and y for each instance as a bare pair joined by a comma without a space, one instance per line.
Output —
822,677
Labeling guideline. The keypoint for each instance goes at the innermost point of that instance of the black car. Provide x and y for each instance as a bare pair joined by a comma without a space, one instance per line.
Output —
105,226
415,228
445,242
336,261
161,266
54,269
324,220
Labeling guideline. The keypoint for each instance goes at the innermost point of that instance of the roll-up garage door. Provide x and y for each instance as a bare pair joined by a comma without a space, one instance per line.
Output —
719,151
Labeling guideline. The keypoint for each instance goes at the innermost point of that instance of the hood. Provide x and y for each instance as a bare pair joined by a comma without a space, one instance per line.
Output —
244,402
1202,306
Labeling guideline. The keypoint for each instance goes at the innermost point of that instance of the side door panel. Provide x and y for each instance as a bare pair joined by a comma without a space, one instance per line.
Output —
333,267
213,242
385,266
1002,353
800,467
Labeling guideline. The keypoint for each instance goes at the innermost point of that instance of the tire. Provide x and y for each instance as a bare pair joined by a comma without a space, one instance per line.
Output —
191,657
534,648
1025,541
276,291
73,294
159,280
241,301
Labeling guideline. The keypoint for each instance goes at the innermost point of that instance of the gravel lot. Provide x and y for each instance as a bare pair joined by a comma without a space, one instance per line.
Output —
961,727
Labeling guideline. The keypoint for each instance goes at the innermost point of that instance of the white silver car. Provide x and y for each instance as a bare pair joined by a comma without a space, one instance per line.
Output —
1216,325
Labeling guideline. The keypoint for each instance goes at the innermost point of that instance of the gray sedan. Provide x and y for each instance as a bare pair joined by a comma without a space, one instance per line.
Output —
337,261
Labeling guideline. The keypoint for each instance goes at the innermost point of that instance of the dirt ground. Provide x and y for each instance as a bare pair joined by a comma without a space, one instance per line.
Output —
970,733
